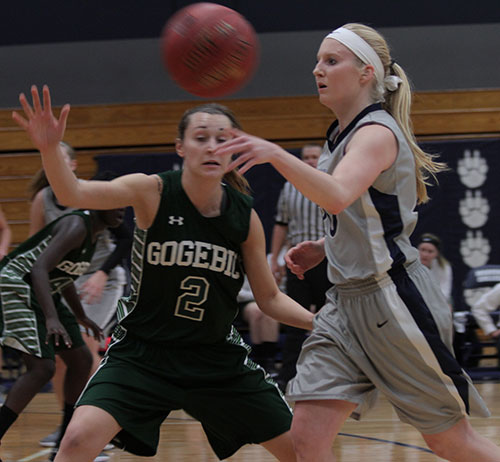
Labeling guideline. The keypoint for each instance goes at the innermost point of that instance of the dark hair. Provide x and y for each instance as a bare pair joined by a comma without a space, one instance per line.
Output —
233,178
430,238
208,108
39,180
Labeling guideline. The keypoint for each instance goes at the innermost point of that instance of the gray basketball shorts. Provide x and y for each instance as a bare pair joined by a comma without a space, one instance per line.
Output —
391,334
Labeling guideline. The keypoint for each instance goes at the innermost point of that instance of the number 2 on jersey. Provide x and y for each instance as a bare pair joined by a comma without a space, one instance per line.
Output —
196,293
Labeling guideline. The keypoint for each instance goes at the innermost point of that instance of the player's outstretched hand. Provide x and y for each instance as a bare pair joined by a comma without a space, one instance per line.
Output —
250,150
45,130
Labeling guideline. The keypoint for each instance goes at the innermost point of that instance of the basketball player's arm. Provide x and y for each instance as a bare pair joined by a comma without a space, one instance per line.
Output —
269,298
371,150
37,214
71,296
68,234
46,132
5,235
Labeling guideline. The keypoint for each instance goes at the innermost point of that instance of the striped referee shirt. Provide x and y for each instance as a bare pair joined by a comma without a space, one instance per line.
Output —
303,217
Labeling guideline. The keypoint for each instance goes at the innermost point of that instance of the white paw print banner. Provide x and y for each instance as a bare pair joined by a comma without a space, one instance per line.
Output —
472,168
475,249
474,209
463,208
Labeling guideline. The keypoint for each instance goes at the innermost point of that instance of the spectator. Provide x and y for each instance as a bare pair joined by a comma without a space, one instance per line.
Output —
482,311
431,256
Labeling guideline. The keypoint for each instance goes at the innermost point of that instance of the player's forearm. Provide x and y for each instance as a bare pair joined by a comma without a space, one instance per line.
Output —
5,241
317,186
41,287
285,310
72,298
61,178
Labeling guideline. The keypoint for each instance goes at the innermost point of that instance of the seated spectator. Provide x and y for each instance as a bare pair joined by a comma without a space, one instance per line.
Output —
430,250
478,282
482,311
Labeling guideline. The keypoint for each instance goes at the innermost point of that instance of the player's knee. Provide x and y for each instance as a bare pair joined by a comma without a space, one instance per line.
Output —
42,371
80,360
304,446
449,444
442,449
74,439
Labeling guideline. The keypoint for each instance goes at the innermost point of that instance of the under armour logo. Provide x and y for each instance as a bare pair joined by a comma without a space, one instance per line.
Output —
175,220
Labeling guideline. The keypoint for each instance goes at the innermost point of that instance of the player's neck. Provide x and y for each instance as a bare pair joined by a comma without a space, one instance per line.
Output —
205,196
346,113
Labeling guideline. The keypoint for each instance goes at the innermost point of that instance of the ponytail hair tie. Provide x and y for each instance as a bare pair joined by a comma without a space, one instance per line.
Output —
392,82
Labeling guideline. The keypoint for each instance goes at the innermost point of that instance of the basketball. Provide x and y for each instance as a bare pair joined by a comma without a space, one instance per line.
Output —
209,50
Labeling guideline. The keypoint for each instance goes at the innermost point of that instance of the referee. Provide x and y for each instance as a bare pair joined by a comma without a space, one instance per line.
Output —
297,220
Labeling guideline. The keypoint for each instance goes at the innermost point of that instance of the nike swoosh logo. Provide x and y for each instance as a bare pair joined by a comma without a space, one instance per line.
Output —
382,324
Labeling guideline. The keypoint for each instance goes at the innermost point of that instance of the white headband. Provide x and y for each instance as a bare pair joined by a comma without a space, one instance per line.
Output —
367,54
360,48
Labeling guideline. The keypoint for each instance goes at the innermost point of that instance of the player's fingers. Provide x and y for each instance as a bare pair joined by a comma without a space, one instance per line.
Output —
237,162
232,146
67,339
246,166
20,120
26,106
63,116
37,106
46,99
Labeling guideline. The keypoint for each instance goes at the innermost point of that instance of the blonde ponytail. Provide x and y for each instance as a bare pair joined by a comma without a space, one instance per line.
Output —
398,104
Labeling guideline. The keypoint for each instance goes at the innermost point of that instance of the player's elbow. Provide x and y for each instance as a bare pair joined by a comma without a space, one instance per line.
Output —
335,207
73,200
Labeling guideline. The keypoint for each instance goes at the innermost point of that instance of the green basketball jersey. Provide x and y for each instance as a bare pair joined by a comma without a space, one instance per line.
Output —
22,320
19,262
186,270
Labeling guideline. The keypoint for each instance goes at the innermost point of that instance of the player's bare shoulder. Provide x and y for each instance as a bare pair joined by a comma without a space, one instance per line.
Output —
148,191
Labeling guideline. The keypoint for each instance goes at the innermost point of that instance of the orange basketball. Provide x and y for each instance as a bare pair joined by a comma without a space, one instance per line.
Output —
209,50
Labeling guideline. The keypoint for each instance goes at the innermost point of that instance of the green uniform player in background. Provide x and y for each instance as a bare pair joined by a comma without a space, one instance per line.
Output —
175,348
34,321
